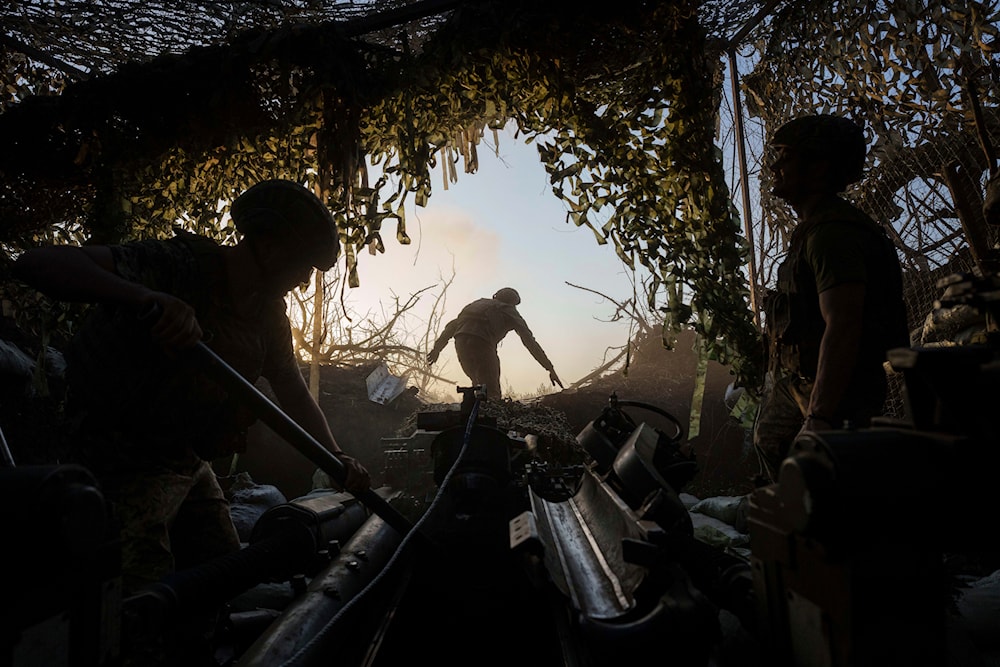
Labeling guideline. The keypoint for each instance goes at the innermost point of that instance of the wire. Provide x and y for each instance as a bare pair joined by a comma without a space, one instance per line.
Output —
466,438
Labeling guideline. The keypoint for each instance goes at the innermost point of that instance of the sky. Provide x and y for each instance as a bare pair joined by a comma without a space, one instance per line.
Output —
503,227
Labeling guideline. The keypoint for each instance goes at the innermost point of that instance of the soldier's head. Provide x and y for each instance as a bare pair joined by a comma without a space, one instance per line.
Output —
284,211
817,151
508,295
289,229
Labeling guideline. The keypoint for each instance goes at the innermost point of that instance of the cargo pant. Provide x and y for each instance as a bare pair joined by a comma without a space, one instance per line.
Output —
171,518
480,361
780,416
785,404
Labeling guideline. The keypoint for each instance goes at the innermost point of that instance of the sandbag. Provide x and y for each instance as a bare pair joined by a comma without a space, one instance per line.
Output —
248,501
723,508
717,533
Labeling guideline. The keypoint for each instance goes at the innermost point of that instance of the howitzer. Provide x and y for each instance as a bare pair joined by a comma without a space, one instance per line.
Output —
520,559
545,565
295,435
286,427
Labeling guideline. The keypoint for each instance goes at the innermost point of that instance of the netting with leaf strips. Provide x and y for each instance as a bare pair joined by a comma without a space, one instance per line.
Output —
906,189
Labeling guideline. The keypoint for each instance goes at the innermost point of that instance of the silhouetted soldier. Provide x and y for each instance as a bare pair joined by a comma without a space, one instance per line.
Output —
478,330
838,305
149,421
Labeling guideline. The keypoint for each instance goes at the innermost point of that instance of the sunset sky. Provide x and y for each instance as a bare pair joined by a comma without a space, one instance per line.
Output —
503,227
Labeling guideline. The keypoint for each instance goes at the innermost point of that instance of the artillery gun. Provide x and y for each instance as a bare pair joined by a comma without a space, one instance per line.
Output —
510,558
496,555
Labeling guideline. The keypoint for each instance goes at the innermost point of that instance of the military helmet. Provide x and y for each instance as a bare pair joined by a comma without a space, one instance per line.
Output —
508,295
827,136
282,207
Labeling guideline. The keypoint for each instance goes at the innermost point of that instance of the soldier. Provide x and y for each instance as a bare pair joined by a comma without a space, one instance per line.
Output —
838,305
147,419
478,330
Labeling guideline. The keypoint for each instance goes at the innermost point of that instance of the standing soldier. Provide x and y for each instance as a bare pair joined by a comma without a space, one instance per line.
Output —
478,330
838,306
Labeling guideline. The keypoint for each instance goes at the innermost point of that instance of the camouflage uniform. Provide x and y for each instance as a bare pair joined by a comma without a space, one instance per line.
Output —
477,331
148,424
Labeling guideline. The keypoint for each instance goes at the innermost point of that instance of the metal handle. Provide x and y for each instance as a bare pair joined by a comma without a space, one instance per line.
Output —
296,436
8,458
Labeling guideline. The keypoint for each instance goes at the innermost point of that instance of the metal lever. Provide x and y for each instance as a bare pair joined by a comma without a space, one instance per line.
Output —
8,458
286,427
296,436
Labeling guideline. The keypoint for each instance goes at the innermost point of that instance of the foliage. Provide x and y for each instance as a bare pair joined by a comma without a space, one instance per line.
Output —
632,156
26,78
621,102
899,68
624,124
620,99
898,63
389,333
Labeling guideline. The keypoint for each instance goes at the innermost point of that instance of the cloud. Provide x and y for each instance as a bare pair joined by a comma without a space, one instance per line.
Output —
449,236
503,227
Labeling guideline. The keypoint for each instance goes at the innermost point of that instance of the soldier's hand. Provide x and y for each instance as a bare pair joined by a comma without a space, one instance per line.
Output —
176,325
358,479
432,357
555,379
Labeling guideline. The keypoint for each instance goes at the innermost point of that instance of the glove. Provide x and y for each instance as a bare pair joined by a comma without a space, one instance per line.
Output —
555,378
432,356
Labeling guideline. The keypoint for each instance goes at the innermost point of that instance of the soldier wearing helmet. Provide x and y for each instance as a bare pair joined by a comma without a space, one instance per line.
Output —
838,304
285,212
149,422
478,330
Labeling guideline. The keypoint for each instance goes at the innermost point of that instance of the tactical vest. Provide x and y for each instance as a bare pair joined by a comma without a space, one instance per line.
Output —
794,319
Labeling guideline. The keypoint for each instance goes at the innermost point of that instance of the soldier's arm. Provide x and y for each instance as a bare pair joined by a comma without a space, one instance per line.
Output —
532,345
87,274
446,334
842,308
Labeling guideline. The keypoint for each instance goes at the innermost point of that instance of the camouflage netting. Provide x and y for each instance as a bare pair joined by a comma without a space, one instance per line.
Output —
121,118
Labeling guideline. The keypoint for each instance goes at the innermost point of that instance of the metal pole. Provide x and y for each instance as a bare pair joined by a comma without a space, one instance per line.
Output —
763,13
744,182
296,436
8,458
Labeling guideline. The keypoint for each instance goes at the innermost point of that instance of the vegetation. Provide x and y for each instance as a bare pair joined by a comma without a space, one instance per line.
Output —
622,101
623,116
905,70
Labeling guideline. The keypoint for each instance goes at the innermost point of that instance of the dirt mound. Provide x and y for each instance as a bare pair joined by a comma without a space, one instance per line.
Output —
658,381
661,380
357,423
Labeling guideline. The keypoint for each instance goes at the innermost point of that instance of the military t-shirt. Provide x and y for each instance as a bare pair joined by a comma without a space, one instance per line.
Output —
836,245
139,401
